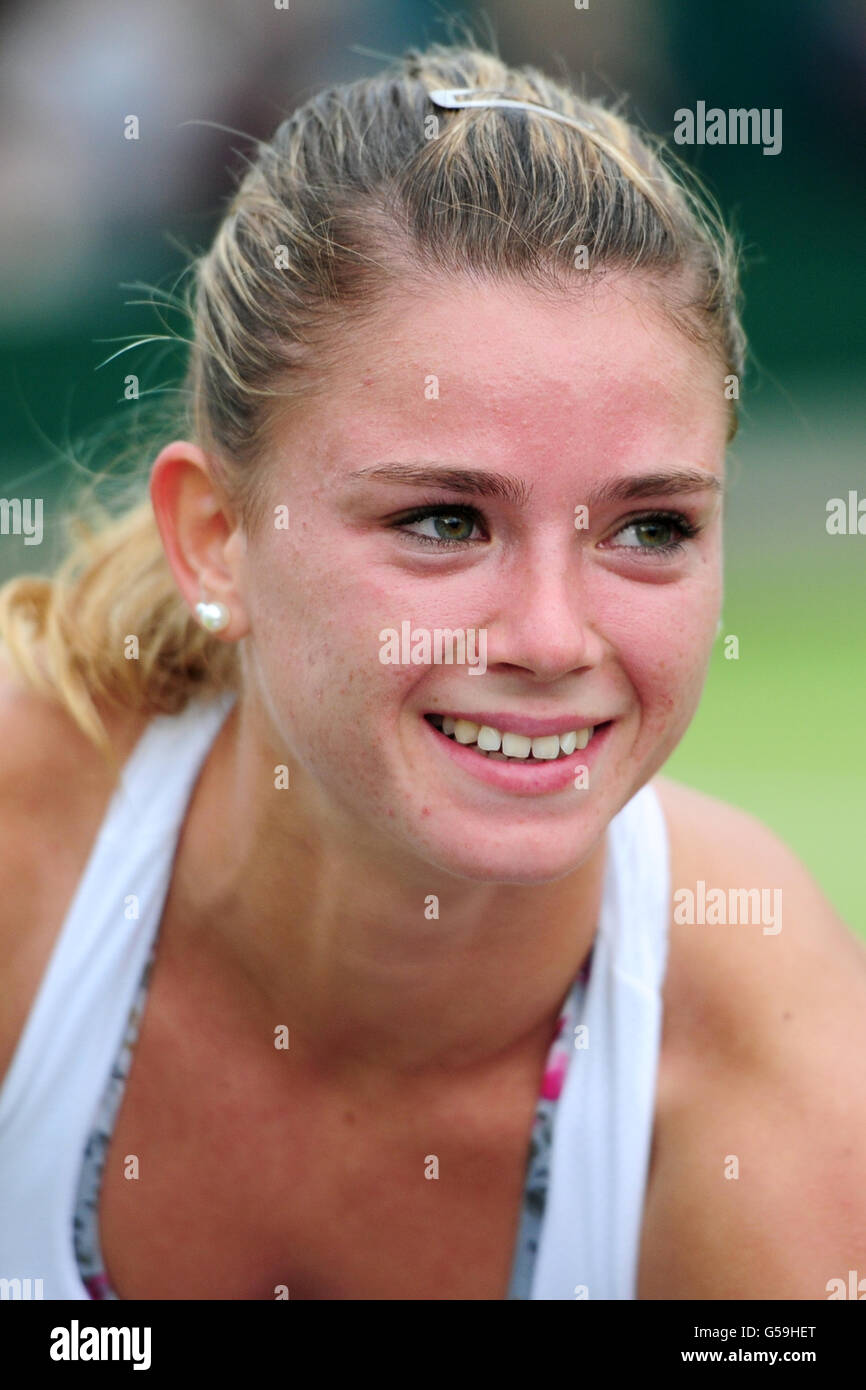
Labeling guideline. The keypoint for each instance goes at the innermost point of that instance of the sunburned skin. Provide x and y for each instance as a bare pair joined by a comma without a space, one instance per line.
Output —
303,904
597,404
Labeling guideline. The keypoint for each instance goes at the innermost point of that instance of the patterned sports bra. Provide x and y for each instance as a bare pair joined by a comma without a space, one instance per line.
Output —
87,1247
588,1155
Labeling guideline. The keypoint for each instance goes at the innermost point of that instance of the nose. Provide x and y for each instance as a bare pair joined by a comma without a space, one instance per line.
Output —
543,623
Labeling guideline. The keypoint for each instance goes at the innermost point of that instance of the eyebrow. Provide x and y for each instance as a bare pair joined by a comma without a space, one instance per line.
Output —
505,487
473,481
671,481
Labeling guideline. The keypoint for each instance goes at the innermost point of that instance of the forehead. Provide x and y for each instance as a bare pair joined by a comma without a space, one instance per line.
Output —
503,374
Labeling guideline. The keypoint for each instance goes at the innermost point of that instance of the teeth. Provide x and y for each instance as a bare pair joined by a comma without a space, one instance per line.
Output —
495,744
465,731
516,745
547,747
489,739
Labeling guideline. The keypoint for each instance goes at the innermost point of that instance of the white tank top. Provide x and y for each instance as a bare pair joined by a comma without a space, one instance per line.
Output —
591,1227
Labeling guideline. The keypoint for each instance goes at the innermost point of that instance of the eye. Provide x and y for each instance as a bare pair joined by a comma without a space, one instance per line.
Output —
447,526
657,532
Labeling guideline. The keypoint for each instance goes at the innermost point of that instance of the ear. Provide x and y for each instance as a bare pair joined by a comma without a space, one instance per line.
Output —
200,532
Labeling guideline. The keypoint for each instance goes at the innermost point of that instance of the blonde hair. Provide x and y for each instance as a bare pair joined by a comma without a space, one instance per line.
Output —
364,184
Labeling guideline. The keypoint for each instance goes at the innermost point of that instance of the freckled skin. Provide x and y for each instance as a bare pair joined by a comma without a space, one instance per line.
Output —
563,396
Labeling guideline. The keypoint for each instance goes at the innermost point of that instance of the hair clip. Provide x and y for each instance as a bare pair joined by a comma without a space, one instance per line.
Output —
451,97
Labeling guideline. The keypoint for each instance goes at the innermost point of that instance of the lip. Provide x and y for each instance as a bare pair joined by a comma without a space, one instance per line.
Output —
524,724
522,780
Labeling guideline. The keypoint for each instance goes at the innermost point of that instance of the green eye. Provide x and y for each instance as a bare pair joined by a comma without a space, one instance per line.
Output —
654,533
660,532
450,525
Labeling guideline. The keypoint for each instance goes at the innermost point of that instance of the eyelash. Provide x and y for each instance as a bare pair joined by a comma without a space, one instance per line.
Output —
437,509
687,529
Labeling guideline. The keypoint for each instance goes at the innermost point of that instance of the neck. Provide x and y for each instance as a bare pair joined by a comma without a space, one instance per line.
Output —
340,944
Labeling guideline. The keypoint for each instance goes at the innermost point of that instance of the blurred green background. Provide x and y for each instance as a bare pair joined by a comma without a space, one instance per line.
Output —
780,730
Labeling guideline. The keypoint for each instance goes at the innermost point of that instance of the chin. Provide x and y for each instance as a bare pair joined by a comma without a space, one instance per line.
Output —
515,859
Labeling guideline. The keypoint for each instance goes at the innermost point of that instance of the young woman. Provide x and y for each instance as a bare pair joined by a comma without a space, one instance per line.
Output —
384,970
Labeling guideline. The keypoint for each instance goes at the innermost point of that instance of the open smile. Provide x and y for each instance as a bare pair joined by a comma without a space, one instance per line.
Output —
521,760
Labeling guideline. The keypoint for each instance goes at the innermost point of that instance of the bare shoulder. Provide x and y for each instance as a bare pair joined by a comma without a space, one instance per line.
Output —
746,912
49,768
54,788
756,1184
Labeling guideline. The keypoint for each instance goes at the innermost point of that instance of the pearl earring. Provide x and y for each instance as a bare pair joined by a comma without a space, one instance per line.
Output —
213,616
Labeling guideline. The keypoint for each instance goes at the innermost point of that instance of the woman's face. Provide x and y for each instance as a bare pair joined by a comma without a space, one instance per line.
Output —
572,618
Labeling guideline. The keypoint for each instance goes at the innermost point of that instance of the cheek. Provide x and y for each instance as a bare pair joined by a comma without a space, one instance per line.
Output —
671,693
315,631
667,654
